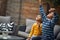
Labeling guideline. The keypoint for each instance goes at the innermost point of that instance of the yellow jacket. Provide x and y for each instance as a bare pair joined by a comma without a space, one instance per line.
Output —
36,30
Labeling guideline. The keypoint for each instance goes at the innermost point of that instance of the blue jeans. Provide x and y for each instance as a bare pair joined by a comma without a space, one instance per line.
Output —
36,38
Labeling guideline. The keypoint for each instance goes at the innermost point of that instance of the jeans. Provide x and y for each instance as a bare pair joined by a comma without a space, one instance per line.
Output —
36,38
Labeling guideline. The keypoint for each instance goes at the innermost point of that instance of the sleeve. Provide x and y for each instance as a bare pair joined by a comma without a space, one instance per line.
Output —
55,18
31,32
42,13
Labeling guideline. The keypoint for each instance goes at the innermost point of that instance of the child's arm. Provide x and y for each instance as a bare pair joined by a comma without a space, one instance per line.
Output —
55,18
31,32
42,12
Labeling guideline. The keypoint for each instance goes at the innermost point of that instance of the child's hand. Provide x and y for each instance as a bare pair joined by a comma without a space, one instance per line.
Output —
40,2
28,38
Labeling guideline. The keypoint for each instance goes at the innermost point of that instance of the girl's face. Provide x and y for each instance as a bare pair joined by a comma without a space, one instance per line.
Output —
38,18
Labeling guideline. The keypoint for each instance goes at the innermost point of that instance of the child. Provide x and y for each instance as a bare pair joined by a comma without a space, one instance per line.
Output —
48,22
36,30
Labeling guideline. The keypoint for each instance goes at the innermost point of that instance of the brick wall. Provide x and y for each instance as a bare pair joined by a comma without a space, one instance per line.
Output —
30,9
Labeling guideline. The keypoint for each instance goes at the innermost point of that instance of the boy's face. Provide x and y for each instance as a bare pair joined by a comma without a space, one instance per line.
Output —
51,13
51,10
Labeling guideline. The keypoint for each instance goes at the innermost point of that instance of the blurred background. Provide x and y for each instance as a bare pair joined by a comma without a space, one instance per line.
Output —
24,12
20,10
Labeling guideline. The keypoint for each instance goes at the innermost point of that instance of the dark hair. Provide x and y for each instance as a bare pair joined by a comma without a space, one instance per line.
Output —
52,7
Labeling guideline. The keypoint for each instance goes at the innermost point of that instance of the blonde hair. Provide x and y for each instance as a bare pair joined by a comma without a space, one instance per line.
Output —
38,18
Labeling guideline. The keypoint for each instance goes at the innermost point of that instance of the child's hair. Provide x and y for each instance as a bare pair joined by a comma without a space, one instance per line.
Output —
39,17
